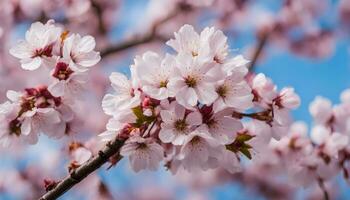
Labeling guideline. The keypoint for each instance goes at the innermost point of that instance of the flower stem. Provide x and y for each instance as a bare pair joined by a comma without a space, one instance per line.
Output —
83,171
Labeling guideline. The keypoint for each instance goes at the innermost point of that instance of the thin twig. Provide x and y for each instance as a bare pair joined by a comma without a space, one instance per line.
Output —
262,116
151,36
323,188
99,14
259,49
83,171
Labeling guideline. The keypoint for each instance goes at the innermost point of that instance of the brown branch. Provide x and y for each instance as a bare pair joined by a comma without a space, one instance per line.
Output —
83,171
259,49
151,36
262,116
127,44
99,14
323,188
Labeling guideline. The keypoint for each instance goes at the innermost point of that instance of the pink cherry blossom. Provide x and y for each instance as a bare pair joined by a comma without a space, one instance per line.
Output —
37,49
143,153
154,74
81,51
176,125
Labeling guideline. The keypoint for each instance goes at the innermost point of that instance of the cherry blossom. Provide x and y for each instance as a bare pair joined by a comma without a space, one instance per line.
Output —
176,126
154,74
143,153
128,96
81,51
37,49
67,82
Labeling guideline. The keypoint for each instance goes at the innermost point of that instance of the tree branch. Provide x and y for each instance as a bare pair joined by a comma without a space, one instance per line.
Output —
261,116
258,50
127,44
99,14
152,35
323,188
83,171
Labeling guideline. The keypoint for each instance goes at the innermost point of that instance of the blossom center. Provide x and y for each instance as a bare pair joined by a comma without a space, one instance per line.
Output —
142,146
163,84
180,125
222,91
191,81
212,123
47,51
62,71
38,97
195,140
15,127
194,54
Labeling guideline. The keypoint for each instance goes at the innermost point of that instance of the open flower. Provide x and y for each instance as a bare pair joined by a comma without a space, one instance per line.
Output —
210,44
233,93
81,51
143,153
176,125
66,81
37,49
128,96
194,81
154,74
197,150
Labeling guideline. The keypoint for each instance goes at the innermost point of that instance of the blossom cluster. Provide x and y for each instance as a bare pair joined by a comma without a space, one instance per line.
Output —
47,109
186,108
325,153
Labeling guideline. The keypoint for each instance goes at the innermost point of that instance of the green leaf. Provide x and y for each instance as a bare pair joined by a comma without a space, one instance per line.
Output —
244,137
246,152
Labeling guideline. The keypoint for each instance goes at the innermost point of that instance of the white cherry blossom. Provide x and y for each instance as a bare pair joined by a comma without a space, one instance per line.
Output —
194,81
37,49
233,93
81,51
143,153
127,95
66,81
154,74
176,126
197,150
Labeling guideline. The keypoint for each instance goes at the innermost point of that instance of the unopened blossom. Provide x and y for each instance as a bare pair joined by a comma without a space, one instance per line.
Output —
37,49
143,153
81,51
154,73
66,81
263,89
127,97
176,125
